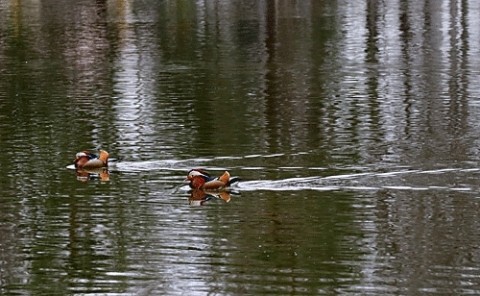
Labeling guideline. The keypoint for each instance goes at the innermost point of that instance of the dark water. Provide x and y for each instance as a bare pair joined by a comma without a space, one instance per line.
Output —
354,125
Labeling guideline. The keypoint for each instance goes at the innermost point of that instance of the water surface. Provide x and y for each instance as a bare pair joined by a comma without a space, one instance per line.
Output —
353,126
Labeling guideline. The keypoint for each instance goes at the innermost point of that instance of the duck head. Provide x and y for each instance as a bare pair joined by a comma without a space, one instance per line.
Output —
197,173
81,158
197,178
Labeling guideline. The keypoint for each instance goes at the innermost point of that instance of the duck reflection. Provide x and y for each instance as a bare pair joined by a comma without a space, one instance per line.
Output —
198,197
101,174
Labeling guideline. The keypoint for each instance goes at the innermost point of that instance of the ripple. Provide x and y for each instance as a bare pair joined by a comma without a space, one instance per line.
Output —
361,181
364,182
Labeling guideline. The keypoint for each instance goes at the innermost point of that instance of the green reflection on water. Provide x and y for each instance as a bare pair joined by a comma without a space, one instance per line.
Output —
271,91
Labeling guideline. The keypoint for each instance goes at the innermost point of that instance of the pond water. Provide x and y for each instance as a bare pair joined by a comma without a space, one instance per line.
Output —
353,125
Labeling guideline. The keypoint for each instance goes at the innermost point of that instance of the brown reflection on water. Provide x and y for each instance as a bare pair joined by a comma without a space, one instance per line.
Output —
86,175
199,197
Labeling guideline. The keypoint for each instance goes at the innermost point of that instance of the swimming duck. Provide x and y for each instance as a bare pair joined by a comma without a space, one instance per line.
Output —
88,160
199,179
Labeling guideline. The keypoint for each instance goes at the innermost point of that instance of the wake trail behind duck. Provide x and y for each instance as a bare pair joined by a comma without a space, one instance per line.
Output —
446,179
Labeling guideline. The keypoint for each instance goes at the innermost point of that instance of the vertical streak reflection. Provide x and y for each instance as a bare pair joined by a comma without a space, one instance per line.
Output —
133,92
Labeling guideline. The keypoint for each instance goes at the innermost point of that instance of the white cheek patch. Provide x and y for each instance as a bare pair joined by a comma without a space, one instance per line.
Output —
195,174
80,154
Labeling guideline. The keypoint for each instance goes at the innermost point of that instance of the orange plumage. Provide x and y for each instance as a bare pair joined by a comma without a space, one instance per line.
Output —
88,160
200,179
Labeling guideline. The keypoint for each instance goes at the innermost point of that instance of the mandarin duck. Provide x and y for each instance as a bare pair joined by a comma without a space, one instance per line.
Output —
199,179
87,160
